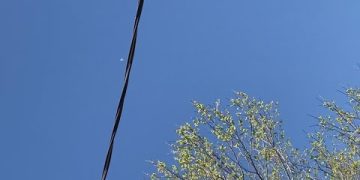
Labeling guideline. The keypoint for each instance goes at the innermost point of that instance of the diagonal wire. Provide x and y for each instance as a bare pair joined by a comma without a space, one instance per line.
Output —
123,94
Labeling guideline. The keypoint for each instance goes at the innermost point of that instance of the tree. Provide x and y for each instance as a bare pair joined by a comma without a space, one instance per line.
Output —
335,147
245,140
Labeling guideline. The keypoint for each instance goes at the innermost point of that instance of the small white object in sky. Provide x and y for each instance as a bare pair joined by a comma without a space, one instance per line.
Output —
121,59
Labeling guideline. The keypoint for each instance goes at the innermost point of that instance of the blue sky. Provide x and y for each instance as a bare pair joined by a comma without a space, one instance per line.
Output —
61,74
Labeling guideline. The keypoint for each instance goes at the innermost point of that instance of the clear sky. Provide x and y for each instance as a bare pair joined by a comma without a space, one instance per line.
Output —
61,74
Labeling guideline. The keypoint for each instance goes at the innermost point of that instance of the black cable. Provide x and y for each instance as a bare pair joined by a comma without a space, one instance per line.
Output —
123,94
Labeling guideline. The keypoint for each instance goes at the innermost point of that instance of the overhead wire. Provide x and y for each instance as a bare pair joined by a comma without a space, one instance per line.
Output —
124,89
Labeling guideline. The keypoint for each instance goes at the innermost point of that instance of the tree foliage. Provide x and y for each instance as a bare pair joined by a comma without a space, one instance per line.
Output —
245,140
335,147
